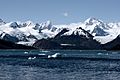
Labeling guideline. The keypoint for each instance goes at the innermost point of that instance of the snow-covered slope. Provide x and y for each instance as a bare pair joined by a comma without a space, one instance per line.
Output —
28,32
102,32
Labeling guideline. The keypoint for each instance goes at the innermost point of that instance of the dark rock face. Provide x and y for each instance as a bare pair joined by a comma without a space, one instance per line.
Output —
14,25
68,42
87,33
113,45
10,45
77,42
32,36
7,37
60,33
46,44
13,38
99,31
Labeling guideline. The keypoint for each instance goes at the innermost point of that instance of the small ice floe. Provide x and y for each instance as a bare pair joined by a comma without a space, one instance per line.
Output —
31,58
100,53
45,51
26,52
54,55
41,54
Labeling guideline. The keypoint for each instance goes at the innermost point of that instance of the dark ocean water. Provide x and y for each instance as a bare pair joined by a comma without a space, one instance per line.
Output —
69,65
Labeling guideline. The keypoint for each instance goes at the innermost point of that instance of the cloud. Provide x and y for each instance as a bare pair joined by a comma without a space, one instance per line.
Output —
65,14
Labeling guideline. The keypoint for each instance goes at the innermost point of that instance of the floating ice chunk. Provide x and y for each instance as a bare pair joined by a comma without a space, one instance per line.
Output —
45,51
26,52
41,54
100,53
54,55
30,58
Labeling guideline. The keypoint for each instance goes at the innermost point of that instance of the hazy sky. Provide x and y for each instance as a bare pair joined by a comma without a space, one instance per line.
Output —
59,11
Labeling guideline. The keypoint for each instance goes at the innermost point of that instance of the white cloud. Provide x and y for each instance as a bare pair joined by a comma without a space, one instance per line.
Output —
65,14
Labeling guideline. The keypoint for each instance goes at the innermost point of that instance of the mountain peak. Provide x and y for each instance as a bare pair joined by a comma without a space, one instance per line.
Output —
46,25
49,24
92,20
29,23
14,25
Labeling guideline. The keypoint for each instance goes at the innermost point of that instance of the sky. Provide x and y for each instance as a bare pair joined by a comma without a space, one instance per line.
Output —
59,11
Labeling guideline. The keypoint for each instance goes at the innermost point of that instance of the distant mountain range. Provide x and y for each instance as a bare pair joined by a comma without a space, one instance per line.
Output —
90,34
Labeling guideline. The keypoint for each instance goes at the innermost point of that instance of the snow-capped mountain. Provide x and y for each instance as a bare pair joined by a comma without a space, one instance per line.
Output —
28,32
102,32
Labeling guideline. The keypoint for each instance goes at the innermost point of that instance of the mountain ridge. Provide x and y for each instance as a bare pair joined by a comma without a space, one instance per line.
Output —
27,33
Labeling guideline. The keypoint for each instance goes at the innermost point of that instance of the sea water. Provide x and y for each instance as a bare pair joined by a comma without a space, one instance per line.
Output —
70,65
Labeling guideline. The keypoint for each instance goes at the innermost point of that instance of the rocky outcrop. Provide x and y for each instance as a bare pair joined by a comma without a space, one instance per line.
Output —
74,41
10,45
113,45
46,44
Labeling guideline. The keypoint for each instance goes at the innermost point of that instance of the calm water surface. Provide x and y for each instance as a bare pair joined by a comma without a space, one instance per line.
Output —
107,67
